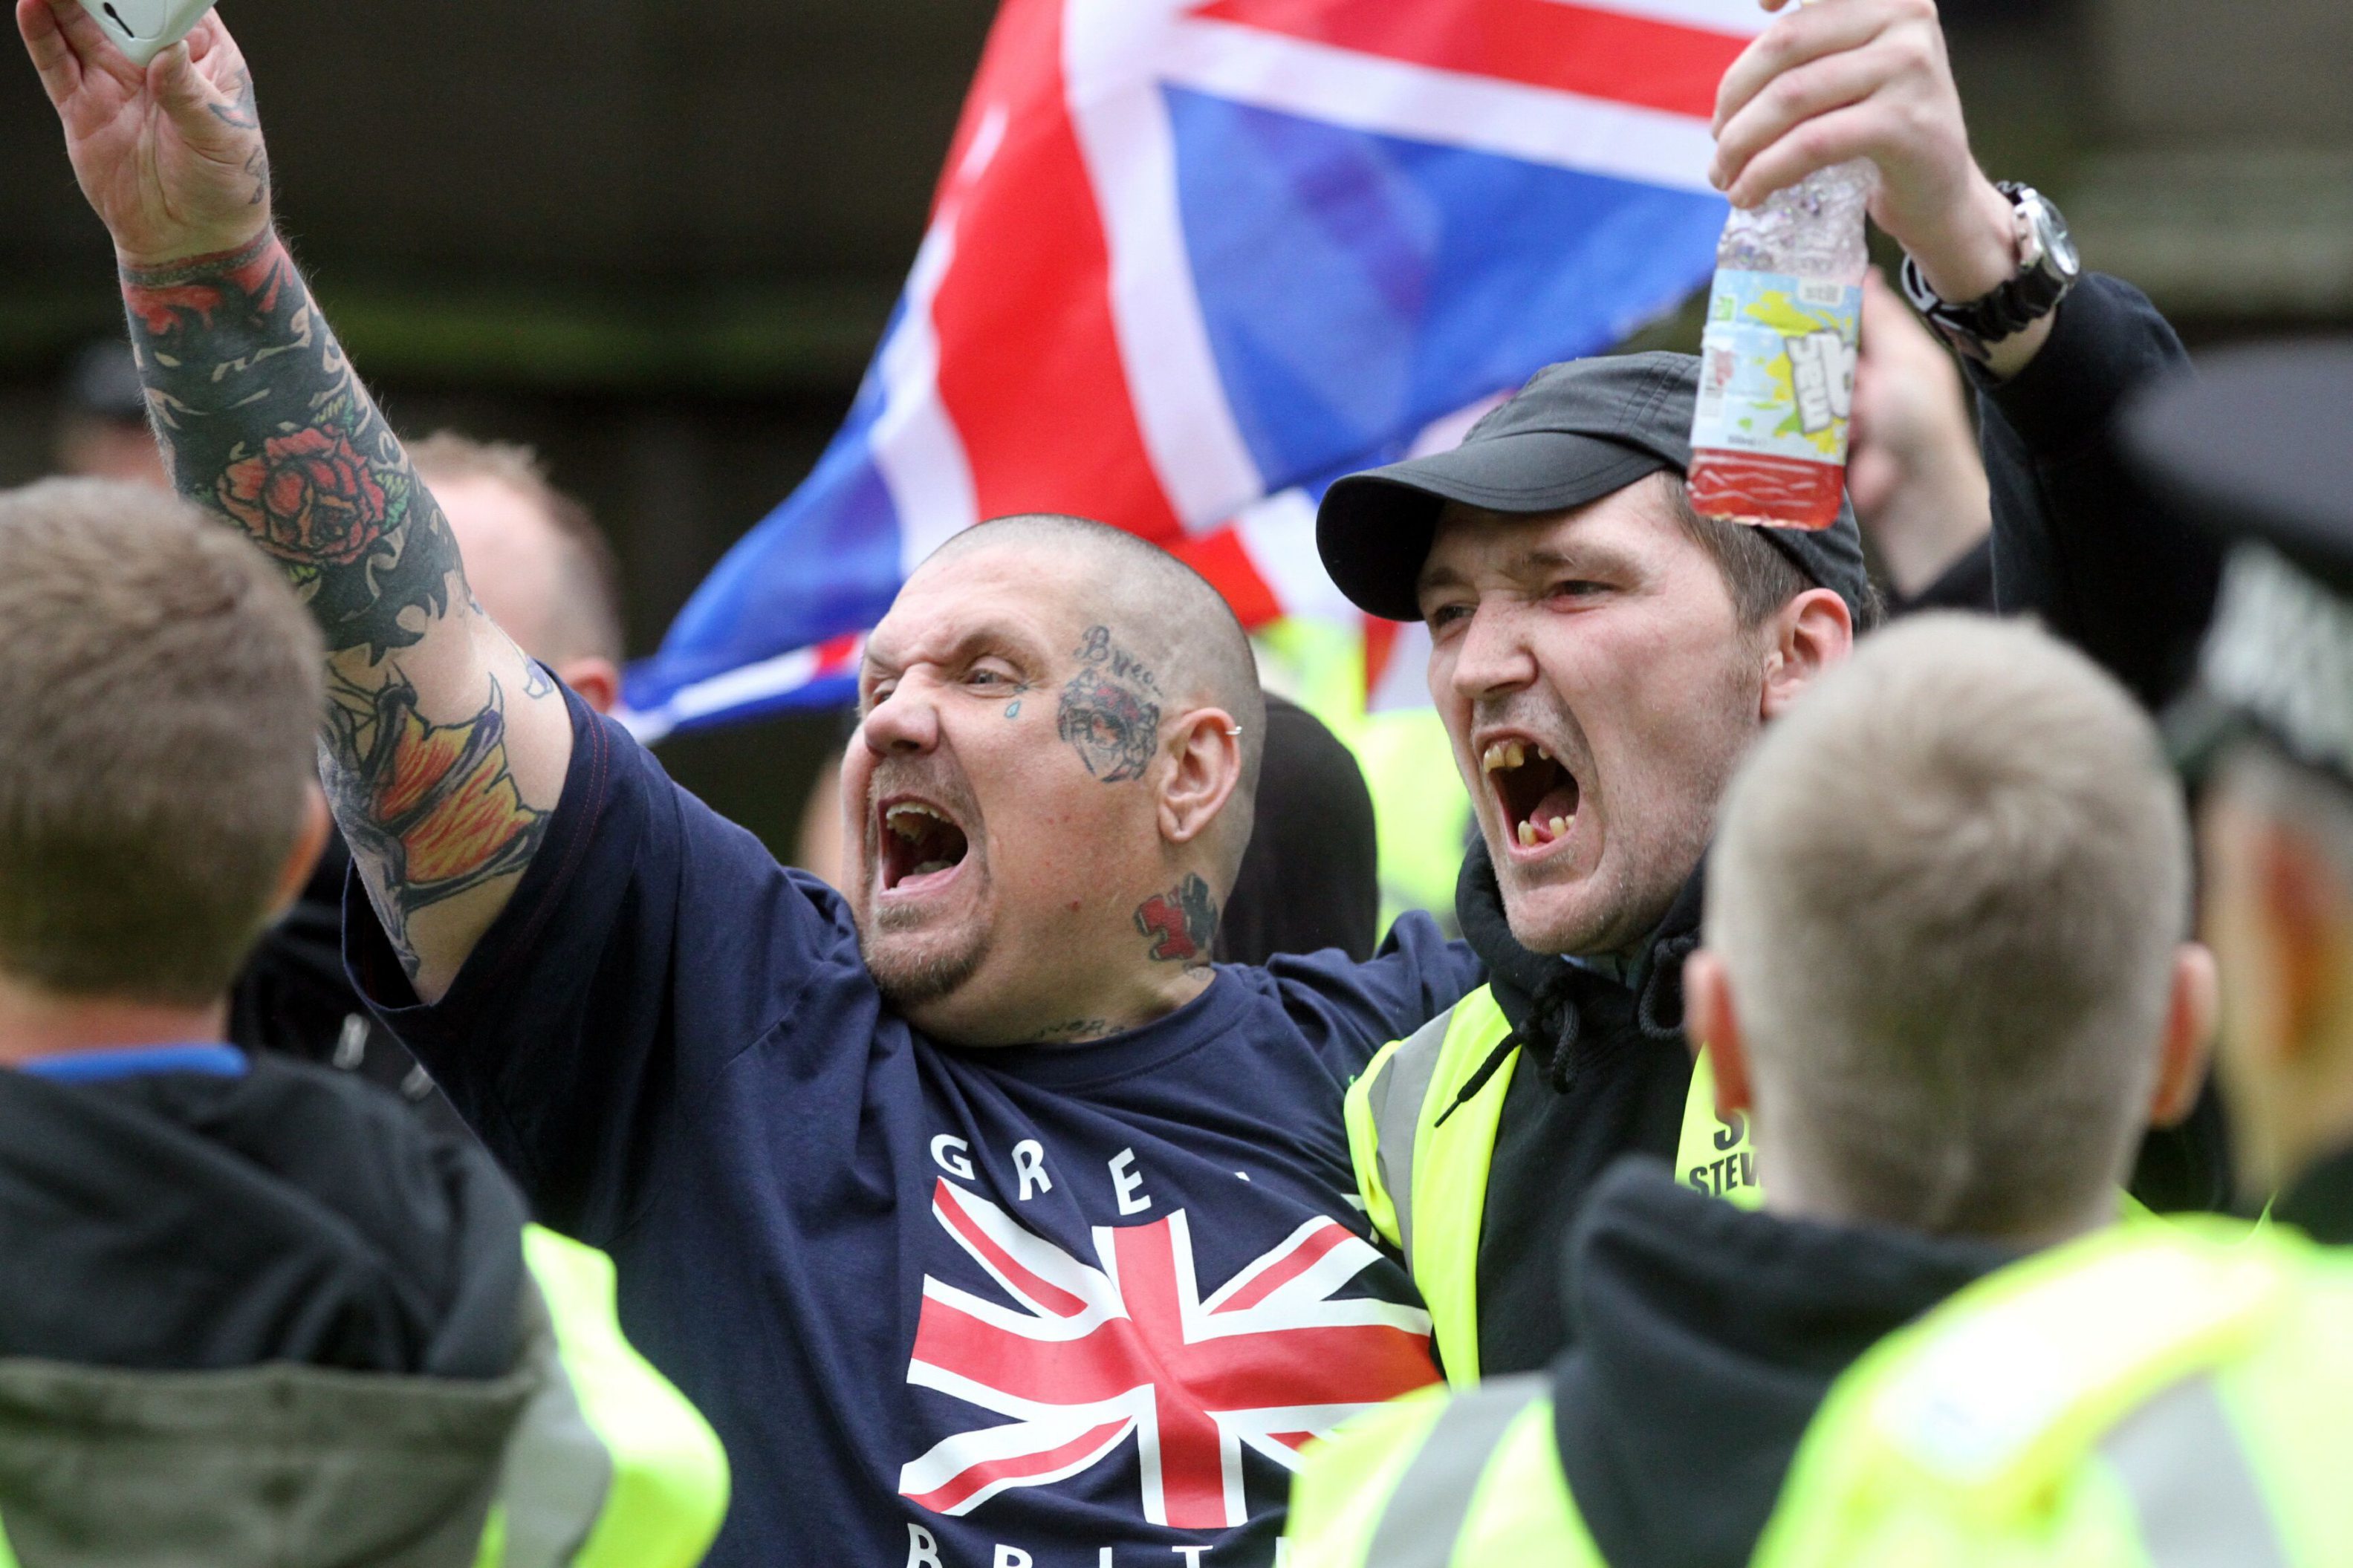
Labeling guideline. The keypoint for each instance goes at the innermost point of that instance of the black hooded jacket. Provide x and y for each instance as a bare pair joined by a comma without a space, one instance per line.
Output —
265,1317
1606,1073
181,1221
1706,1336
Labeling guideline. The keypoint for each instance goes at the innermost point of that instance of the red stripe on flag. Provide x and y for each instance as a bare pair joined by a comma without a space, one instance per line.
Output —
1225,560
953,1495
1313,1249
1051,1299
1570,48
1030,363
1380,642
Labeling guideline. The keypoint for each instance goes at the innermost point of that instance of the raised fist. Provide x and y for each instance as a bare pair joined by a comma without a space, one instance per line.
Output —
171,156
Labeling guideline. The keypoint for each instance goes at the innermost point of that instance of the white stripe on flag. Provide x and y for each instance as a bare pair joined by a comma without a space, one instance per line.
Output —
1740,19
1279,534
1110,51
915,444
1390,98
1405,682
738,688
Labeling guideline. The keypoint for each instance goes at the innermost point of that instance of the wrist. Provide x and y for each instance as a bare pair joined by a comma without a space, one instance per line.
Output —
197,255
1980,254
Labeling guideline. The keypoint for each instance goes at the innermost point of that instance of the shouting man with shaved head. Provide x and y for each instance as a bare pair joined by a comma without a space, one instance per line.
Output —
988,1221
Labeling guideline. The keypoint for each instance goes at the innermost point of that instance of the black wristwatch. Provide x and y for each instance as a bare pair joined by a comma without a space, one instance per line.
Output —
2048,267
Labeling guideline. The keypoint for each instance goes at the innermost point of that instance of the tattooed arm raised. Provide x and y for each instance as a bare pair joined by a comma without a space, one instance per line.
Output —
445,748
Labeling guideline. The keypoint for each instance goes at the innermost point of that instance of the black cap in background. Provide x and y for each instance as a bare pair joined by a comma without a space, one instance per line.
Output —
102,380
2258,449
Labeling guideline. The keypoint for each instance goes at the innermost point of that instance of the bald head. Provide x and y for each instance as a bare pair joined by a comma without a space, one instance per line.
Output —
1162,612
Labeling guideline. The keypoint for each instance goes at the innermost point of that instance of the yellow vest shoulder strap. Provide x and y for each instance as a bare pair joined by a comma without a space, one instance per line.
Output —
609,1465
2107,1346
1422,1159
1473,1477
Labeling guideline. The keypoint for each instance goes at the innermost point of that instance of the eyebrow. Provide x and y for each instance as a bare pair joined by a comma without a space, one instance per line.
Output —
1538,562
991,636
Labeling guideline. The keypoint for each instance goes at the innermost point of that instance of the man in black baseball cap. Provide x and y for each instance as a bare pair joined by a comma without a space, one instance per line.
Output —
1603,658
2259,452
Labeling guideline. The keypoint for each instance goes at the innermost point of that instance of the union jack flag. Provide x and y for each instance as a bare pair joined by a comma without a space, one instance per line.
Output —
1187,255
1087,1356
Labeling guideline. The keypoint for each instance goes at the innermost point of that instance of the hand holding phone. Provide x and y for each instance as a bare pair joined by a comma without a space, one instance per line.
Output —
143,30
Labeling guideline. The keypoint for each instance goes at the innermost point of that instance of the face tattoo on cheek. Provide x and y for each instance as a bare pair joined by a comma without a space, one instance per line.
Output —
1108,714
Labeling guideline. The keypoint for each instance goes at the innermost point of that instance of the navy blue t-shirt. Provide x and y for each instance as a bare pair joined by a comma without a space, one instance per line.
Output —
1062,1306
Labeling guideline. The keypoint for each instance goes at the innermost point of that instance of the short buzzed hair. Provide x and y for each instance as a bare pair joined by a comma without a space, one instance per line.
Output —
1173,617
160,692
1947,891
1756,575
585,620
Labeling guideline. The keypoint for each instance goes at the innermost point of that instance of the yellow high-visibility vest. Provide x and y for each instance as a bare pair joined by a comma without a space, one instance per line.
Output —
2175,1395
1423,1160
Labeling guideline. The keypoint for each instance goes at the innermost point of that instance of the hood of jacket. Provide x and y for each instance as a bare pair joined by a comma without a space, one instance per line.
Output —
264,1318
1547,998
1705,1336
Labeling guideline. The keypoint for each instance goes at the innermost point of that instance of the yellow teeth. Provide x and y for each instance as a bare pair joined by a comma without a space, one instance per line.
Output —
1559,825
906,821
1527,834
1504,754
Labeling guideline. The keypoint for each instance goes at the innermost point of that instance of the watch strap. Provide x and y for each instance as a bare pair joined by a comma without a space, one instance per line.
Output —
2008,310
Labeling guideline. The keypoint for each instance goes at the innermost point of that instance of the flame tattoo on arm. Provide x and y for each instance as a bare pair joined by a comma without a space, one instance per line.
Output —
264,423
435,805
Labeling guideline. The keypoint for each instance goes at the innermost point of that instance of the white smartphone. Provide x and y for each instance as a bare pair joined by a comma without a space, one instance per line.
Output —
143,30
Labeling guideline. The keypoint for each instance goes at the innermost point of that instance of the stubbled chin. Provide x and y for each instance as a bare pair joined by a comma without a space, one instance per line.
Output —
1555,910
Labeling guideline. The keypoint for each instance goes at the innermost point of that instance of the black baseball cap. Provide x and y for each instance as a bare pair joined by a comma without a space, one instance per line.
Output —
1575,433
2257,449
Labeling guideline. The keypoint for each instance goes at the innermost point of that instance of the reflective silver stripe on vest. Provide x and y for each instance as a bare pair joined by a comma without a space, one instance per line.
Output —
2199,1502
1396,1099
558,1471
1424,1516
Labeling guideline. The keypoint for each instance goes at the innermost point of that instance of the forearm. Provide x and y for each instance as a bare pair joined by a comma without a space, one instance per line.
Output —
444,748
2076,540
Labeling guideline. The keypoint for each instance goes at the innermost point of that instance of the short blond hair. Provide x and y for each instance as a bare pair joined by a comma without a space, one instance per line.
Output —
585,620
1947,890
161,691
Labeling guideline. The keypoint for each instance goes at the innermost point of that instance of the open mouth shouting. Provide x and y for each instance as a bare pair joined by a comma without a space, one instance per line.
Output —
1536,795
922,847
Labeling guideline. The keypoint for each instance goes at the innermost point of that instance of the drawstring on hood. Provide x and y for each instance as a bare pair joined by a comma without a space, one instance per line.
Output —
1544,997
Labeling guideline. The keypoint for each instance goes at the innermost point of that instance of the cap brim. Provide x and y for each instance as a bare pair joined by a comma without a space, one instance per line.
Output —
2258,445
1374,529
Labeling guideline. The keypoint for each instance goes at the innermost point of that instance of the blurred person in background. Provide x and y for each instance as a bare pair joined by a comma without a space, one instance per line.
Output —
2261,451
1914,471
1945,975
1602,657
537,562
849,1149
200,1248
1311,878
535,557
102,431
2166,1394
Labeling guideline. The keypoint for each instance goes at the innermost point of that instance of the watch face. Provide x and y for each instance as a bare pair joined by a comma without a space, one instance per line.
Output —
2057,245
